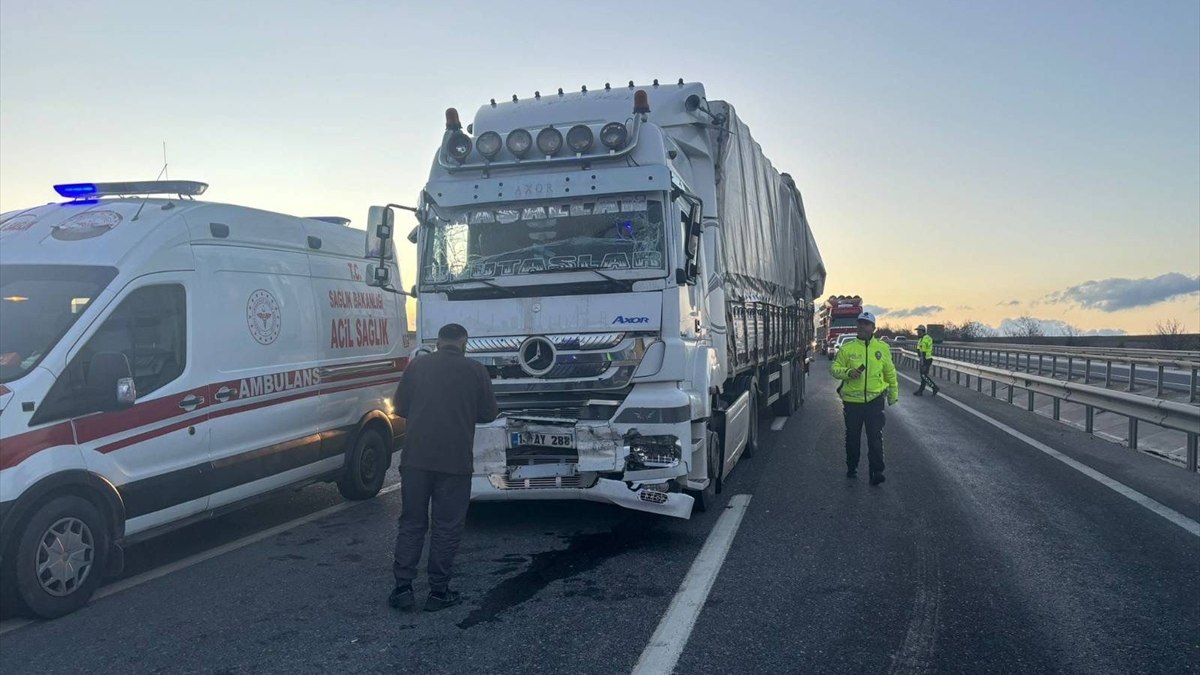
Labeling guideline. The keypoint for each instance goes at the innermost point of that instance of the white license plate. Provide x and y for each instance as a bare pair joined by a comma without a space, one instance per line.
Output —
544,439
542,471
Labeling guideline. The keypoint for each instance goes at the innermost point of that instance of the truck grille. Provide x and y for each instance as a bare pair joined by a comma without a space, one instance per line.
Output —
548,483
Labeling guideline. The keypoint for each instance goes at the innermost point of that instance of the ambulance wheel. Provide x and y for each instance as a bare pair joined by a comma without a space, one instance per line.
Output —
60,556
706,499
366,467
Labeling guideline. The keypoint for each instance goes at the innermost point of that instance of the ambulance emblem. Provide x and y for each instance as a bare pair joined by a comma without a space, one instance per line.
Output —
86,225
263,317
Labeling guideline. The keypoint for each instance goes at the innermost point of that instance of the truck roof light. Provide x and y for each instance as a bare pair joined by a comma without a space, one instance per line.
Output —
519,141
641,101
614,135
549,141
452,122
489,144
190,188
580,138
458,146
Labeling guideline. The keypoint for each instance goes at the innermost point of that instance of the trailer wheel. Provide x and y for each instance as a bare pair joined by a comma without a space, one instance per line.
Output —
365,467
60,556
752,432
706,499
785,405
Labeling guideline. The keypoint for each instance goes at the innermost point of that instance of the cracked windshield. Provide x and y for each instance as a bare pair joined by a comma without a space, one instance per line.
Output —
503,241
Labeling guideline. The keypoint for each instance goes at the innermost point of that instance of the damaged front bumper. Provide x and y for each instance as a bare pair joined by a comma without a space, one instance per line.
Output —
524,459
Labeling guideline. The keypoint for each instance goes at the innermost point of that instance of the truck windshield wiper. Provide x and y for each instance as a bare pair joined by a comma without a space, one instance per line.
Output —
486,281
593,270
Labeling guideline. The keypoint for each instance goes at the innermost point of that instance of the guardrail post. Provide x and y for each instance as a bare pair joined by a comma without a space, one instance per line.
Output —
1070,367
1054,366
958,378
1133,433
1010,394
1030,400
1159,390
993,389
1089,418
979,384
1192,393
1107,374
1132,376
1087,372
1040,359
1057,408
1193,441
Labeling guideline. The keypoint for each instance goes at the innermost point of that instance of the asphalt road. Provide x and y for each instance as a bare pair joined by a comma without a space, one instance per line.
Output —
980,554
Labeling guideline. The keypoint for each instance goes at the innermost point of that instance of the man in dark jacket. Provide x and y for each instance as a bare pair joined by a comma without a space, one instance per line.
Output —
442,396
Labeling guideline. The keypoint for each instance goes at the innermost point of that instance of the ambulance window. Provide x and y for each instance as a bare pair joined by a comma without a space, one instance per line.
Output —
150,328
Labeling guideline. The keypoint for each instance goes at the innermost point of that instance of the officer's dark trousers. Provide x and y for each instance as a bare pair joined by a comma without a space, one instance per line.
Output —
871,416
450,495
926,380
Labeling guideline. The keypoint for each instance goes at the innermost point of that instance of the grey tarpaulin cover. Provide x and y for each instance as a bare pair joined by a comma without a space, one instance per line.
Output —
769,250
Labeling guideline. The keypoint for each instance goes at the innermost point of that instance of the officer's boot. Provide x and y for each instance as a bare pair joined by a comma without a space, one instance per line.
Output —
921,389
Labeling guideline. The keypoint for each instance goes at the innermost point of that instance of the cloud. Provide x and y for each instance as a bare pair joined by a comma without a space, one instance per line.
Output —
965,307
920,310
1008,303
1114,295
1051,328
877,311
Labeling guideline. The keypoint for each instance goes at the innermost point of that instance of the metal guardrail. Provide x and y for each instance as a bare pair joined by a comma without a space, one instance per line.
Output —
1168,354
989,354
1167,414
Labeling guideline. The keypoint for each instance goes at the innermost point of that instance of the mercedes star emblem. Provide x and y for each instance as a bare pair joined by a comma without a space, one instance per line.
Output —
537,356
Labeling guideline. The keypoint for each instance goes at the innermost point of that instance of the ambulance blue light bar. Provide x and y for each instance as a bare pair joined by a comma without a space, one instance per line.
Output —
189,188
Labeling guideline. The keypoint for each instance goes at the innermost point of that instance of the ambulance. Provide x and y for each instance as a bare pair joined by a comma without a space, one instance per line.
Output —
165,360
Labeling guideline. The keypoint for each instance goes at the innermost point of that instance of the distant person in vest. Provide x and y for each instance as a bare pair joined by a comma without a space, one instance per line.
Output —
925,352
864,365
442,396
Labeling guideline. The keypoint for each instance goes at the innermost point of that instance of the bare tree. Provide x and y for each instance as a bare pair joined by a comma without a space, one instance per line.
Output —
1026,326
974,330
1071,331
1171,334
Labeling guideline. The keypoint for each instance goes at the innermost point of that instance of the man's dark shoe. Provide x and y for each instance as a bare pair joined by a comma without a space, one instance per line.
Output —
851,473
877,478
439,600
402,598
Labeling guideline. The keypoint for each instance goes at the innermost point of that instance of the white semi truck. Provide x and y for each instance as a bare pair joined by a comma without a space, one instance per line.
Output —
635,275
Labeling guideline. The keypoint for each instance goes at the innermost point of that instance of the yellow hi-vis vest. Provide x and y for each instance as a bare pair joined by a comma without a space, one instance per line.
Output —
879,376
925,346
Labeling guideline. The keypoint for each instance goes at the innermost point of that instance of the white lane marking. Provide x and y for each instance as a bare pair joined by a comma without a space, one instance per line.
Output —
183,563
671,636
777,423
1120,488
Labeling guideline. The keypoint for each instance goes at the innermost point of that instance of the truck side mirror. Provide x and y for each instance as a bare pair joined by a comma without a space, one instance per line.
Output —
378,276
380,225
412,236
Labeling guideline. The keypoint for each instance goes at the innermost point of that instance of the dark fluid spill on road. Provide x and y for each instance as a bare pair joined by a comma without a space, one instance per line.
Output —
583,552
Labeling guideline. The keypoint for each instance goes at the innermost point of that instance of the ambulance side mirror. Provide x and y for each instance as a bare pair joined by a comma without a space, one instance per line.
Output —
110,378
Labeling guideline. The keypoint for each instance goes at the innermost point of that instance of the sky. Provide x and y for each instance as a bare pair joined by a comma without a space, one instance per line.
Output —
958,160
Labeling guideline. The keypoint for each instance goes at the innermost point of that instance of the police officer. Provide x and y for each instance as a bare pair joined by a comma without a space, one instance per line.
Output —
864,365
442,397
925,353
